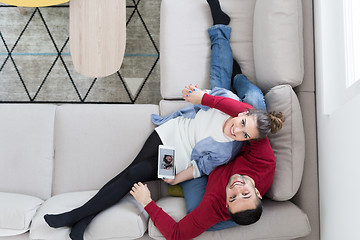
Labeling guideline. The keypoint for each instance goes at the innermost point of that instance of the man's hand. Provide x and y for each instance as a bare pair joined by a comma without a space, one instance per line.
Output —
193,94
141,193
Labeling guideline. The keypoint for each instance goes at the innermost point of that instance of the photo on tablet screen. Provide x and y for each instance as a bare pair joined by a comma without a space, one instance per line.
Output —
166,162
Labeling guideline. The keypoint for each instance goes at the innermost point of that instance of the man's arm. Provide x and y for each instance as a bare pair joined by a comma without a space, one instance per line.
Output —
189,227
259,150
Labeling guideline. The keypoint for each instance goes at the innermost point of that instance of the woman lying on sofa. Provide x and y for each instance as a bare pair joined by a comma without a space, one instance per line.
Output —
202,133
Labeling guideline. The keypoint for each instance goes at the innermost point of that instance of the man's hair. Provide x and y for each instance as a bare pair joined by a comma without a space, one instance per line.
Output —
247,217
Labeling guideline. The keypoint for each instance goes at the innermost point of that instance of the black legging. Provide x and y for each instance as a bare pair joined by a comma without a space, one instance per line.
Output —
142,169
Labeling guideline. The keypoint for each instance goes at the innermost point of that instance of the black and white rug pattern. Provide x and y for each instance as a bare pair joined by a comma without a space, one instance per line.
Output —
36,65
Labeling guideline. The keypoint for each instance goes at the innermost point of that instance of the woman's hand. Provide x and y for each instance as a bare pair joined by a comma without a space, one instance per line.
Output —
170,181
182,176
193,94
141,193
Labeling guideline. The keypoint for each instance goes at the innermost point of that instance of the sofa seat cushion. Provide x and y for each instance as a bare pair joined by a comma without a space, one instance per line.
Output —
125,220
16,212
274,223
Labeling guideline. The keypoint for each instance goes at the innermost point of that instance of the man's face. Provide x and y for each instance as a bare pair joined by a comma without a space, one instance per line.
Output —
241,193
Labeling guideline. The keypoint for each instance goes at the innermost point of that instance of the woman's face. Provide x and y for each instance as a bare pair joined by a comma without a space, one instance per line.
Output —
168,159
241,128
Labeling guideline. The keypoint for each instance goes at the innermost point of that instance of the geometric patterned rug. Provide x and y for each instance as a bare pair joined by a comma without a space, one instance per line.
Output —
36,65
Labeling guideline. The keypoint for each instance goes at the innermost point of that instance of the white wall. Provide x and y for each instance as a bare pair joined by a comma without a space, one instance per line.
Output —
338,124
339,172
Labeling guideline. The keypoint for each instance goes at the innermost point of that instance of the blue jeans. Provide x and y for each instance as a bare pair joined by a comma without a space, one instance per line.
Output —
221,69
220,76
248,92
221,57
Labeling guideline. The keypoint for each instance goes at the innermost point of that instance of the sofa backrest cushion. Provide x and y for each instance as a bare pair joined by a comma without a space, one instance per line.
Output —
278,43
185,44
27,149
93,143
288,144
266,42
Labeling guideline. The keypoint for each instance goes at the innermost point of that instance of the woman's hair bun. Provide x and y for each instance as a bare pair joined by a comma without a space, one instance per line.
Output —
277,120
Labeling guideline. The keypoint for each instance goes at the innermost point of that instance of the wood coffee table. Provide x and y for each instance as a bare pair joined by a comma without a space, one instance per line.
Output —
97,36
33,3
97,33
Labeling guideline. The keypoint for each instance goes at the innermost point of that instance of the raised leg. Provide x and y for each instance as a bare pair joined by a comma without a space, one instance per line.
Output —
221,62
248,92
218,16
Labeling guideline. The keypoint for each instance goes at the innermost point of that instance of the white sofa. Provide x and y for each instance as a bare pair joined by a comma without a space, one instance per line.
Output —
54,157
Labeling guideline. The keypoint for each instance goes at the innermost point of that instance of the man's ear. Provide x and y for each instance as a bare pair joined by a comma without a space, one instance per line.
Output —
258,193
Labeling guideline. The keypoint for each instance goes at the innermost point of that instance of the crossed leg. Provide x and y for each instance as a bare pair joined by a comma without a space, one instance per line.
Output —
142,169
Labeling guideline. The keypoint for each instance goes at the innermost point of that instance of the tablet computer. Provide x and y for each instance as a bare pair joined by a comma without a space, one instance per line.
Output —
166,162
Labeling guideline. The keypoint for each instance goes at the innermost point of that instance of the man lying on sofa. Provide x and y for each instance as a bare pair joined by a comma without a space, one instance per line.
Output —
230,189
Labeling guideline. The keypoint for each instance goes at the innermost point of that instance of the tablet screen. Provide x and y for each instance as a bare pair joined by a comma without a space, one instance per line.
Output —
166,160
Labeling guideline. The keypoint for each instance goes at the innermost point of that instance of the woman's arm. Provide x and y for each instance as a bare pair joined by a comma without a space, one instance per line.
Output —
182,176
229,106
